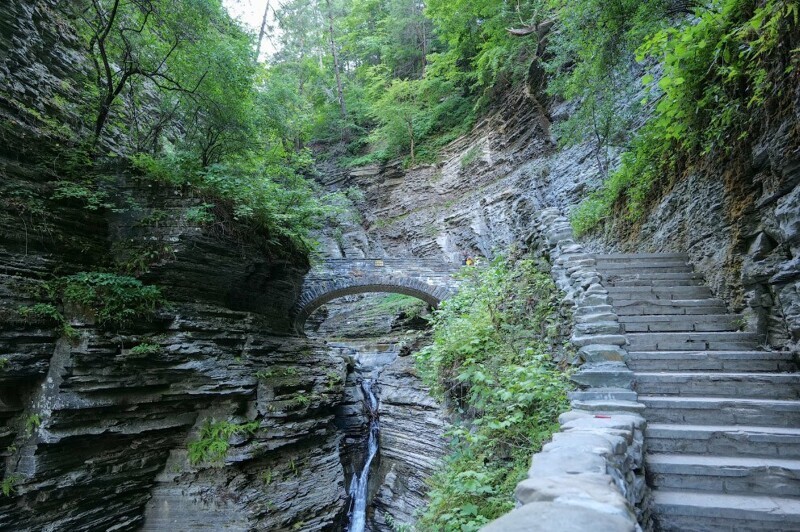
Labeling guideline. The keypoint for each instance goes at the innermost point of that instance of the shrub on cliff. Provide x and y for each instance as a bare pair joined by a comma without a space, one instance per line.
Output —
113,301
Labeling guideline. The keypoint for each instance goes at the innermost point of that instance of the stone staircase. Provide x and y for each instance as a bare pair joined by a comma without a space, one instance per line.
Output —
723,413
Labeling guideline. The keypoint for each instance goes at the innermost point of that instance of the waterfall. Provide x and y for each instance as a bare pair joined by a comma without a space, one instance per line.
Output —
358,486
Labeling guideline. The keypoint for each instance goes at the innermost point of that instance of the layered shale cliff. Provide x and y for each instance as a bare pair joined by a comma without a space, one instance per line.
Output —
95,432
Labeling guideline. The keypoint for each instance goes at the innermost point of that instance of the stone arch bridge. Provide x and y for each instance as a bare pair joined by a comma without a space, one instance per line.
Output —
427,279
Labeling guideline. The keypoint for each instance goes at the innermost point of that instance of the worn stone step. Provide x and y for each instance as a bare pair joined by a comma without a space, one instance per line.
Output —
693,341
679,279
755,385
655,262
647,293
726,440
693,511
679,322
633,268
621,257
645,276
721,411
724,474
633,307
767,361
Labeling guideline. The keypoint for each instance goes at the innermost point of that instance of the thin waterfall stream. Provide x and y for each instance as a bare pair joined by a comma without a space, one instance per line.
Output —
360,483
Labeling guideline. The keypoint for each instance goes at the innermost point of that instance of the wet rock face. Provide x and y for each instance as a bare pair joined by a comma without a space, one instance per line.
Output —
112,423
412,444
412,423
95,436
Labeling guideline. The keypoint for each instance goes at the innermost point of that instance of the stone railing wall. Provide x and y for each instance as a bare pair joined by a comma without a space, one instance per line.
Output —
591,476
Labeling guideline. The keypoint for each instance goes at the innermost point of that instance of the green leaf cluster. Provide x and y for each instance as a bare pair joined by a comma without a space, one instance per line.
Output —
492,358
213,441
115,301
145,350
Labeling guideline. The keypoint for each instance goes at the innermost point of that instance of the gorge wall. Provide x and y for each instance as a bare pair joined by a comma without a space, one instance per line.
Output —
93,434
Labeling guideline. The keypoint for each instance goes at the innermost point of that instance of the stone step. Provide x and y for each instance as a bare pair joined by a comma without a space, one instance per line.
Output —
686,280
645,276
621,257
691,511
727,440
755,385
693,341
633,268
679,322
724,474
767,361
647,293
721,411
658,262
633,307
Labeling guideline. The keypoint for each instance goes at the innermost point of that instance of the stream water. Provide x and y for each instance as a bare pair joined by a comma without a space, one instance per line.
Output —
360,483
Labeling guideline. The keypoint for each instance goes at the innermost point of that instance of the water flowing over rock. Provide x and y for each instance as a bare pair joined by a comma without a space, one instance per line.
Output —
359,484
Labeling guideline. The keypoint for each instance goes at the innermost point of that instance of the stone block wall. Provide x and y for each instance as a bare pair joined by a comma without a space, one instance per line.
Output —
591,475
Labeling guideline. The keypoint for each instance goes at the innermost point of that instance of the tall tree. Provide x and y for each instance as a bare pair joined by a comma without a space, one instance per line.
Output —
336,67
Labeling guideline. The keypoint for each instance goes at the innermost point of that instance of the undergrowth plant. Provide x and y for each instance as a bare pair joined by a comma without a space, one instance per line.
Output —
213,443
8,485
115,301
492,359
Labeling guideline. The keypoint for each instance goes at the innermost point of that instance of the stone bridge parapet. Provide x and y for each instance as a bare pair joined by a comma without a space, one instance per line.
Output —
427,279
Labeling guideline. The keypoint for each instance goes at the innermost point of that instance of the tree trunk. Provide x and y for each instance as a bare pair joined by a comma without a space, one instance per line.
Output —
335,54
261,33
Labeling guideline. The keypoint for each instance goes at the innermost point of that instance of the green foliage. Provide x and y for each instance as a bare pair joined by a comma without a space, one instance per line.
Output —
200,214
724,70
49,313
145,350
492,356
8,486
116,301
411,113
85,192
276,373
301,399
591,56
480,53
267,191
42,311
213,442
470,157
396,304
394,525
4,361
32,422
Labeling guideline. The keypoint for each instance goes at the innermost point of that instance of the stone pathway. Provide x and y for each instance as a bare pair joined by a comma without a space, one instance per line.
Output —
723,434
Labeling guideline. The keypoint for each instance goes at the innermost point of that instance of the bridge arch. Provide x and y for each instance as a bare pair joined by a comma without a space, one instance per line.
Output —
430,281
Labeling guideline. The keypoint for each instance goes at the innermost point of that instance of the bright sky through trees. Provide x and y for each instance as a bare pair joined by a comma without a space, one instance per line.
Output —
251,13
